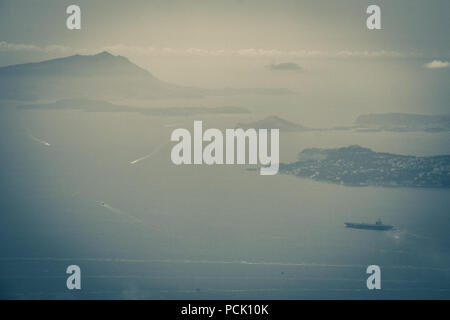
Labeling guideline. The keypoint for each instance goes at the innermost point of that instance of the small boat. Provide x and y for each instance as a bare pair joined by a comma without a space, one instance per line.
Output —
369,226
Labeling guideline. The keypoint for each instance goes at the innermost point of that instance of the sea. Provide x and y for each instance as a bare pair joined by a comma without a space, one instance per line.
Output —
98,190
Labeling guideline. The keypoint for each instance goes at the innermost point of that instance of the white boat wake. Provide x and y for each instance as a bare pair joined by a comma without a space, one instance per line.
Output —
43,142
156,150
120,212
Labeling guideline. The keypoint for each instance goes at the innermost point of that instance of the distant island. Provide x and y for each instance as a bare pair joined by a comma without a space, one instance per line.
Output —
274,122
358,166
402,122
285,66
394,122
88,105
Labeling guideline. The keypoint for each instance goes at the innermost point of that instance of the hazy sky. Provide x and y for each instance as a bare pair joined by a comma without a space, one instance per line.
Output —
231,43
409,26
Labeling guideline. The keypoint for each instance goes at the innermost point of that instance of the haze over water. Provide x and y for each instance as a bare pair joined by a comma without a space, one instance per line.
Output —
169,231
86,176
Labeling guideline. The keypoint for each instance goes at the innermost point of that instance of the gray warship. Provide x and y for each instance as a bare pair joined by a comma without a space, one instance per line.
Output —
369,226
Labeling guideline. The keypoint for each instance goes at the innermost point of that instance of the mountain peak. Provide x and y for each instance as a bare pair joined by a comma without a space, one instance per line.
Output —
108,55
104,54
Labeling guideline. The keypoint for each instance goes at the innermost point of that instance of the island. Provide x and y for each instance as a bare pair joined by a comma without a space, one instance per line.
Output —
89,105
402,122
274,122
358,166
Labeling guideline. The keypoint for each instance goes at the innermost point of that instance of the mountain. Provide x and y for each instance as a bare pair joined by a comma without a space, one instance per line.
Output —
102,64
100,77
404,122
358,166
94,76
275,123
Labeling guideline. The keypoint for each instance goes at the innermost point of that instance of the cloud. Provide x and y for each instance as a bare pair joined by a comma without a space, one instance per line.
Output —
19,47
286,66
5,46
437,64
130,50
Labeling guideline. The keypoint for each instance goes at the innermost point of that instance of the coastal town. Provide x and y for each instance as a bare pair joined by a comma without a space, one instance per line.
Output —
358,166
